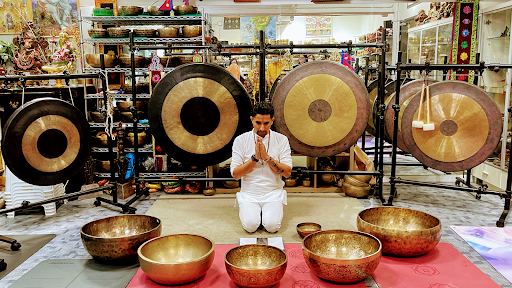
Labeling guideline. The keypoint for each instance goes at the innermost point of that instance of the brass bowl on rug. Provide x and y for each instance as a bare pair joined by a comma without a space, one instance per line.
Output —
342,256
118,238
176,259
256,265
403,232
306,228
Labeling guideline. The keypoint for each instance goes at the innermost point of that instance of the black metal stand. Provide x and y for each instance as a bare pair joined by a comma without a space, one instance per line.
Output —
393,180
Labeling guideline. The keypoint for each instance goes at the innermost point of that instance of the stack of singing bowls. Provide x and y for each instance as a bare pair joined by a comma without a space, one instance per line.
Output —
403,232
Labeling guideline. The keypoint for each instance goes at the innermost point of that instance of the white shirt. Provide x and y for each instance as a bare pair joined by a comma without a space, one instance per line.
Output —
261,184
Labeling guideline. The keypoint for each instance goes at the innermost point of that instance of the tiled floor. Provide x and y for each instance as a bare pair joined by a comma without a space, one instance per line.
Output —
454,208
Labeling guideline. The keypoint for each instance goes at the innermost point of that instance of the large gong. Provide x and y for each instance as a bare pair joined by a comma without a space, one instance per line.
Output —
468,126
46,141
196,111
373,89
322,107
407,91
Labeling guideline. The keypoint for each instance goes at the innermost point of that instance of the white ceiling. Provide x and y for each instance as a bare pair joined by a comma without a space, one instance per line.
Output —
306,7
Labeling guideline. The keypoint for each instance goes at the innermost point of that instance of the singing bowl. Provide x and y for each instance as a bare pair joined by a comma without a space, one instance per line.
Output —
118,32
125,60
403,232
94,60
304,229
342,256
362,178
118,238
290,182
184,10
153,11
176,259
97,33
354,182
168,32
130,10
258,266
144,32
124,106
97,117
355,191
192,31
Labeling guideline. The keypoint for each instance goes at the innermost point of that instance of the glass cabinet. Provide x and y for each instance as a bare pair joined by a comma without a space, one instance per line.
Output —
430,42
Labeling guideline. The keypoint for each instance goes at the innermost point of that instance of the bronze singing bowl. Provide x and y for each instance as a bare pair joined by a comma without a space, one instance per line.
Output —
342,256
354,182
403,232
117,238
176,259
168,32
258,266
192,31
356,191
304,229
94,60
184,10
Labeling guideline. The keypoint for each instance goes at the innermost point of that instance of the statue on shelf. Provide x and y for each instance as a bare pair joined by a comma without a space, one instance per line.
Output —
420,18
434,13
31,48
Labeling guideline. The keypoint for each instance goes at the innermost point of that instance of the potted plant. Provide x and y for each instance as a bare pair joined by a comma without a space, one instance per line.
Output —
6,52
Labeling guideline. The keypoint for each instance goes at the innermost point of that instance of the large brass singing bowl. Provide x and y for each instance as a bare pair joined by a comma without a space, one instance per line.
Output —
403,232
118,238
342,256
258,266
176,259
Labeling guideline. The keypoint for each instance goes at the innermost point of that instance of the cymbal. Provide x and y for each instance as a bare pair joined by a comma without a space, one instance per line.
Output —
196,112
46,141
468,126
322,107
406,91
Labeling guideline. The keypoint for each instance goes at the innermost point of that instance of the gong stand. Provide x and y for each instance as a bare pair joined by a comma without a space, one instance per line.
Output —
393,180
263,49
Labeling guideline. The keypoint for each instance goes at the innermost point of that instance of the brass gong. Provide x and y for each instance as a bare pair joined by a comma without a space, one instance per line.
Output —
407,91
196,111
46,141
322,107
468,127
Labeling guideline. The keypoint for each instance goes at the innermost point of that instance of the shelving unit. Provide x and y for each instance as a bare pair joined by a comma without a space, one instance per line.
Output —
132,22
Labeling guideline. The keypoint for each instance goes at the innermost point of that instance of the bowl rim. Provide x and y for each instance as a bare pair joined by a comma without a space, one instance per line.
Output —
438,226
257,245
339,230
212,250
118,216
309,223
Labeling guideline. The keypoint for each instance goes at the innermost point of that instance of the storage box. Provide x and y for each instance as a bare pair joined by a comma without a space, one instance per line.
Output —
125,190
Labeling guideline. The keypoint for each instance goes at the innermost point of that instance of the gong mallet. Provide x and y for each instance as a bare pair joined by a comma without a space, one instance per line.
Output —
428,126
419,123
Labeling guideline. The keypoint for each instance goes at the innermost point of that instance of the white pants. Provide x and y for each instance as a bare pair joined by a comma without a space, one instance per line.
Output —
252,214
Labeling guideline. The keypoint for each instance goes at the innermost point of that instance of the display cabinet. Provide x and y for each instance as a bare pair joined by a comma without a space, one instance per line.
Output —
430,42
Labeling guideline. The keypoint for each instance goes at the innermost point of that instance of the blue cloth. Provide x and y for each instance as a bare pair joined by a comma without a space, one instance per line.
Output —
130,171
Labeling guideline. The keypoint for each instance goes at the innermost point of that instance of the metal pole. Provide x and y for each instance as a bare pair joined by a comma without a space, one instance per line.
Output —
262,94
380,119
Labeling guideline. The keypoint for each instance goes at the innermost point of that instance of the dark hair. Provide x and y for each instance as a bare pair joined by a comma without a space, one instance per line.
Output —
263,108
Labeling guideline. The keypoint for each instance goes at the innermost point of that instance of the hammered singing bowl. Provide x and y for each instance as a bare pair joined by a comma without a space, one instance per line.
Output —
176,259
118,238
403,232
342,256
306,228
258,266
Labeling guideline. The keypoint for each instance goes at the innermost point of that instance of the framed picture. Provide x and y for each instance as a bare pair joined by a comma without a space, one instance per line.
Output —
231,23
13,14
51,16
111,4
250,27
318,26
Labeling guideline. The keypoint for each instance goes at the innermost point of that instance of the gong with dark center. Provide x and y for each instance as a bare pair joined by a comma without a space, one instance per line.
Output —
322,107
468,127
46,141
373,95
196,111
407,91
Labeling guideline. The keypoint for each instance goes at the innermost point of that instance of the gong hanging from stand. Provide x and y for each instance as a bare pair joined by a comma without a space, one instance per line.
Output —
322,107
46,141
196,111
468,126
407,91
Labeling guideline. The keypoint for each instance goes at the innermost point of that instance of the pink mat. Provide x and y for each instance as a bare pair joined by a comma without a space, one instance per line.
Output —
297,273
443,267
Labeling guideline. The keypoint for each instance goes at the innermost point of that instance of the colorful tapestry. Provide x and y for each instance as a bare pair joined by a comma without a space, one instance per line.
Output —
492,243
318,26
250,28
464,37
